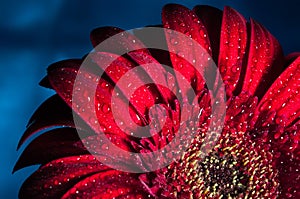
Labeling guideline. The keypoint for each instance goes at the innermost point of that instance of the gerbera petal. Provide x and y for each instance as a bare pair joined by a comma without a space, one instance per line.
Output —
288,167
185,21
144,95
282,97
293,133
45,83
53,112
117,45
233,45
265,61
157,32
98,146
181,19
110,184
53,179
290,58
136,51
62,76
240,113
212,19
49,146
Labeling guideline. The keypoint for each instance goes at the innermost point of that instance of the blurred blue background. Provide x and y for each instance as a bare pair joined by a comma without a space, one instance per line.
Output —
34,34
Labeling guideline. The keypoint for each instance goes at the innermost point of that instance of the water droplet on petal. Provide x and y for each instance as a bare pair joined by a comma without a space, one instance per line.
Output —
190,43
105,108
174,41
234,69
180,65
93,120
104,85
180,54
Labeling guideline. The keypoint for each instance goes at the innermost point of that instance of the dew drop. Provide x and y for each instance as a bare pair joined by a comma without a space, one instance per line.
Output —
190,43
180,65
182,24
169,31
174,41
254,60
104,84
180,54
93,120
105,108
234,69
196,20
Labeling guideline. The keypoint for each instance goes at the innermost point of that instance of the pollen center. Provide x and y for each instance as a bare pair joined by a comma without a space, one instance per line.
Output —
222,176
236,167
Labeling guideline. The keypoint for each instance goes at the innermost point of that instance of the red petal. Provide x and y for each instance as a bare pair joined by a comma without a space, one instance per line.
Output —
53,101
283,96
52,145
53,112
232,48
156,72
289,175
57,177
62,76
212,20
291,137
265,61
116,68
45,83
185,21
181,19
158,33
239,114
122,160
115,46
135,49
290,58
111,184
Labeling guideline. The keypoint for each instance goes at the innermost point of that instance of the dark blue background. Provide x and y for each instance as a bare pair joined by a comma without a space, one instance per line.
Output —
35,33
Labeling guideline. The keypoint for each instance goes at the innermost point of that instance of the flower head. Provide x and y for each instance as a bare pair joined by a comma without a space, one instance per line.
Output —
255,155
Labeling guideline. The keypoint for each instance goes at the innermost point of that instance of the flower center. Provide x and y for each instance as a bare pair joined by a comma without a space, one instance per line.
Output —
237,167
222,175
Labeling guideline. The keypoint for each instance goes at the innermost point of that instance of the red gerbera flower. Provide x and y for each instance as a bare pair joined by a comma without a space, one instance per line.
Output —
255,156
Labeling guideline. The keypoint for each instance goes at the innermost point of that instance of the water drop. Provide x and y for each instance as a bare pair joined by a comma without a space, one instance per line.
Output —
190,43
180,65
234,69
104,84
93,120
180,54
174,41
105,108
